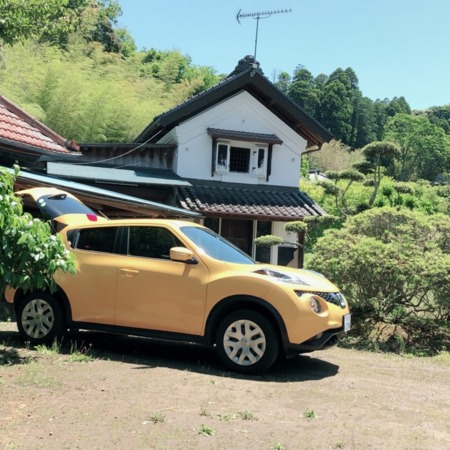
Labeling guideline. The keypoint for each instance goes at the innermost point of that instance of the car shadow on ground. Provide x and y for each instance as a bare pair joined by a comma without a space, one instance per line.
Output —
146,354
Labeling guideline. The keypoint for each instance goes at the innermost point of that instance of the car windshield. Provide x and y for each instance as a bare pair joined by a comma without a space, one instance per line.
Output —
216,246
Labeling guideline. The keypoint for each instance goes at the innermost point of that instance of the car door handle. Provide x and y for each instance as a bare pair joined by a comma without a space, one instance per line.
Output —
129,272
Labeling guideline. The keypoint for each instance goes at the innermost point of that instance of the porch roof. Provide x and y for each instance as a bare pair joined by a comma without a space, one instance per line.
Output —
213,198
99,198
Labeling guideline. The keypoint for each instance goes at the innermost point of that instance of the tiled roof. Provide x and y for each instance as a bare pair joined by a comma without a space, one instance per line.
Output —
246,77
20,128
247,201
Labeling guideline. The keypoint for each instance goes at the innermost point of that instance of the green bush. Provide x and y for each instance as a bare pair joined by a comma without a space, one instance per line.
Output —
394,267
29,254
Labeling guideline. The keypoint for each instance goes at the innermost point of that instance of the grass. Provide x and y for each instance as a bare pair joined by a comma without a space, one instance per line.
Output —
80,354
309,414
76,353
277,446
54,349
157,417
226,417
247,415
205,430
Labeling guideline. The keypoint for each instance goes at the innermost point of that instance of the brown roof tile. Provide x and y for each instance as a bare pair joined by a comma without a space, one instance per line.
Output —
19,127
247,201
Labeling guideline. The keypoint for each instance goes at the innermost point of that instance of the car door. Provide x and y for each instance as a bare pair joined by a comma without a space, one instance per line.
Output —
92,290
156,293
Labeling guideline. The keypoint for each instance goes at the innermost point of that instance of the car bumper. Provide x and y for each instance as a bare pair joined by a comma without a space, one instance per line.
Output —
322,341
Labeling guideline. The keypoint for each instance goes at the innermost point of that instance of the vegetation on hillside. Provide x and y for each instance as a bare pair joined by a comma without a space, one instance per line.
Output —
67,64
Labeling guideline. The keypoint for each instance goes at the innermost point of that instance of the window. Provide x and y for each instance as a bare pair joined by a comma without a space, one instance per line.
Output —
152,242
95,239
239,159
247,158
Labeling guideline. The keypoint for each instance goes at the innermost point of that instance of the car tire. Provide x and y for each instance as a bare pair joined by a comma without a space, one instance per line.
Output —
246,342
40,319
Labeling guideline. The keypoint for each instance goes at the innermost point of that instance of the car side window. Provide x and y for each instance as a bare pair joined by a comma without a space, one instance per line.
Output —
152,242
100,239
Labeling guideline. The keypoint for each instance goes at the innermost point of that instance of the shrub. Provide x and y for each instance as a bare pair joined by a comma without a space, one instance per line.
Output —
394,267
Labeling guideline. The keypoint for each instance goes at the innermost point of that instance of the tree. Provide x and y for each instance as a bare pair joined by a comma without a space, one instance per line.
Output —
23,19
398,105
394,268
425,148
379,155
440,116
303,91
338,104
348,177
283,82
30,255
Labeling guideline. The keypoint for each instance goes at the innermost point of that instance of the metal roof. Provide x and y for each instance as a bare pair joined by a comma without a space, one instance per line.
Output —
124,175
100,197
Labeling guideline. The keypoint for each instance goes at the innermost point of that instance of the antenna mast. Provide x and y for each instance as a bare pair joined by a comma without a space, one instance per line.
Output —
257,16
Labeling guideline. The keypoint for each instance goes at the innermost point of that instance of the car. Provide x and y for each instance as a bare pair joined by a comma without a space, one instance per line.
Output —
57,206
178,280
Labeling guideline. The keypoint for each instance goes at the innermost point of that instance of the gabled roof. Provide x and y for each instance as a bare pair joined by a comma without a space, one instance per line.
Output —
246,77
245,201
23,134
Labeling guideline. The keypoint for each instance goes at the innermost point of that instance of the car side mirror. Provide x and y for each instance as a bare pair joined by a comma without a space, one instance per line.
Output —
182,254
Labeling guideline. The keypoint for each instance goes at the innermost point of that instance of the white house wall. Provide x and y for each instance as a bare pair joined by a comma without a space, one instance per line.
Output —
241,112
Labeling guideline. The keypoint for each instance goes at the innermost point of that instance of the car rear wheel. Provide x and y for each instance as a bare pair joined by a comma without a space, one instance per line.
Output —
39,318
247,342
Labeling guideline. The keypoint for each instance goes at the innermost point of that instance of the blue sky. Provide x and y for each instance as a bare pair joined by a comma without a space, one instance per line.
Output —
396,47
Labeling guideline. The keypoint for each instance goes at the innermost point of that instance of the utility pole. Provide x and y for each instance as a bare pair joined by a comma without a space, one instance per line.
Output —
257,16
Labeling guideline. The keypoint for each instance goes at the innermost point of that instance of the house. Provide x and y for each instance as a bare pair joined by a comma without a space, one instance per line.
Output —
30,144
239,145
229,157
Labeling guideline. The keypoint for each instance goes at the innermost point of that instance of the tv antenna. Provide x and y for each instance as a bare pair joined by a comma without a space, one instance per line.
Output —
257,16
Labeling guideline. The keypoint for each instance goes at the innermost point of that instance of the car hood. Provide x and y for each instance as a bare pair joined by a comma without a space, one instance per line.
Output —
297,278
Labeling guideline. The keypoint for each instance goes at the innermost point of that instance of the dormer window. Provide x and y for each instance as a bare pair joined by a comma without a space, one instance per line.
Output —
242,158
238,152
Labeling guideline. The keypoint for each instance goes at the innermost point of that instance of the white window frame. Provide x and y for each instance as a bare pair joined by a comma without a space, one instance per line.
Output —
256,169
222,165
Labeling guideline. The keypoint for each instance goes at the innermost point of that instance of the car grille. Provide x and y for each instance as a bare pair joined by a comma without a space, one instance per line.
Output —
336,298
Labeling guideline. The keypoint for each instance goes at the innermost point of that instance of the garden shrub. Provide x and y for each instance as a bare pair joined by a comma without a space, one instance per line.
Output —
394,268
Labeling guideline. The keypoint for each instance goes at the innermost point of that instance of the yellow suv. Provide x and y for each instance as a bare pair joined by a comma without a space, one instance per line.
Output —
177,280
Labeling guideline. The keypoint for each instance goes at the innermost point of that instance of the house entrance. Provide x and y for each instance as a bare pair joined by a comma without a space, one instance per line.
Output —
238,232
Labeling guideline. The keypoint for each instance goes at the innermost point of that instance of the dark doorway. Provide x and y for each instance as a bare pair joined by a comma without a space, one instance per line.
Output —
239,233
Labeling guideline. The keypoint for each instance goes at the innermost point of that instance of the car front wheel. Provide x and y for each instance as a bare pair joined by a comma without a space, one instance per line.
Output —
40,318
247,342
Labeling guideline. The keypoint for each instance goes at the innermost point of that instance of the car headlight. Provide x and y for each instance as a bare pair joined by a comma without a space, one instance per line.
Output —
315,305
313,301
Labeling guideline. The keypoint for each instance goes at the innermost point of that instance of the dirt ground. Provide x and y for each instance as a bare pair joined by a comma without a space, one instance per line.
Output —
132,393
